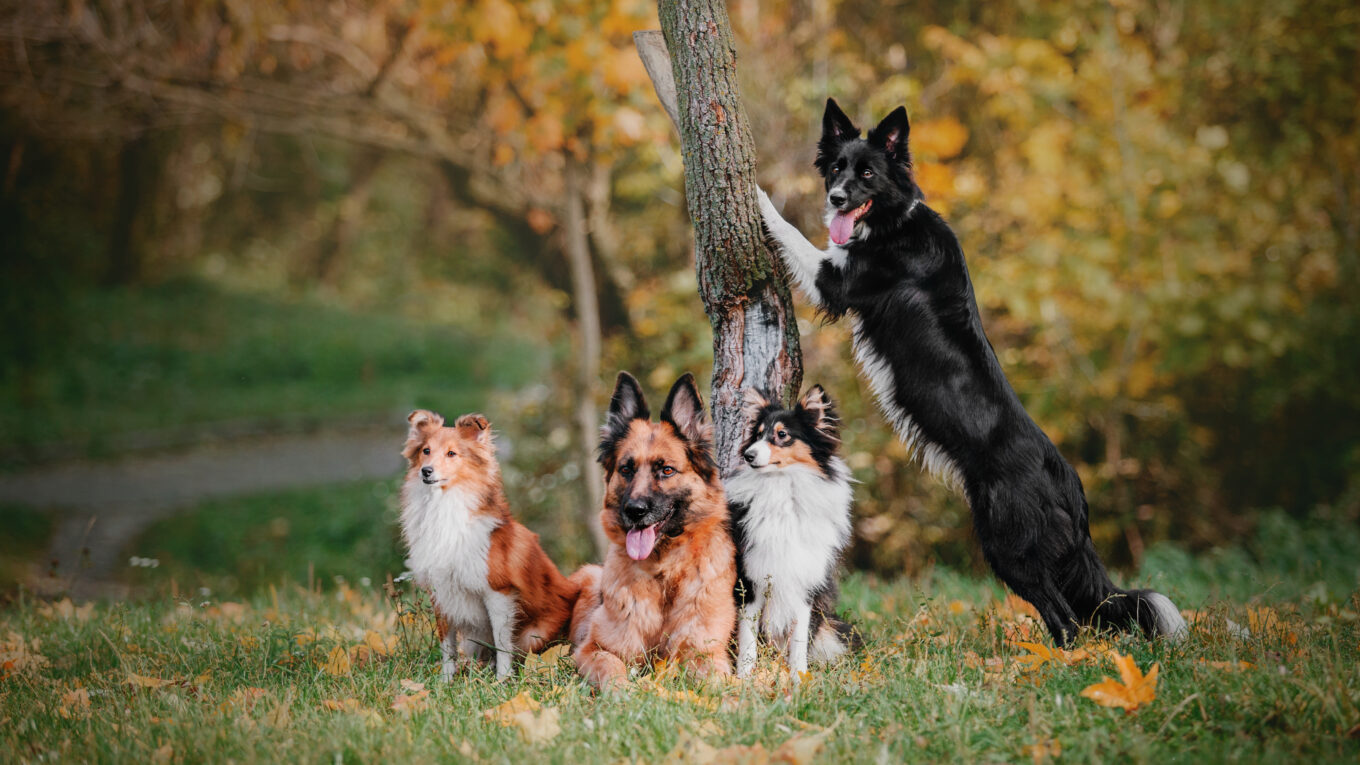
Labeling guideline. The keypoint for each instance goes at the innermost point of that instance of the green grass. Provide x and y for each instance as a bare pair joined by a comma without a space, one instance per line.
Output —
25,538
157,364
916,693
241,545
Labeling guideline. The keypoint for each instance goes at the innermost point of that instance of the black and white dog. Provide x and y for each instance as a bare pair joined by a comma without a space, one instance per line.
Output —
790,514
895,267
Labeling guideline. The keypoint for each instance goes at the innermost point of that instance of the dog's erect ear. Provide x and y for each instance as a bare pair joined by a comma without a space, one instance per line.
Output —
752,401
474,427
685,410
836,130
820,411
423,422
836,125
891,134
626,405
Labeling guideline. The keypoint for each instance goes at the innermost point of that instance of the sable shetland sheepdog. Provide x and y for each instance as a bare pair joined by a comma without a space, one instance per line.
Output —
489,579
896,268
666,586
790,507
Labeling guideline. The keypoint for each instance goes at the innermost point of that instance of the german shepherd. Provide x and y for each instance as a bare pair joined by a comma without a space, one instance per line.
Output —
667,582
895,267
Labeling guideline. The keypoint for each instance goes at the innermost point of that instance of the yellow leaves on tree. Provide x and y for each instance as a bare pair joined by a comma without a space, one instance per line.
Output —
1132,690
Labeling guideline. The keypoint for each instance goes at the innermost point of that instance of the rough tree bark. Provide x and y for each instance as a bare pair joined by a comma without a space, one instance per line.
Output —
745,294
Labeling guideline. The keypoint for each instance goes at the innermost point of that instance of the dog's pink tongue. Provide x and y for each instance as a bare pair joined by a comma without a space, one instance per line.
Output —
640,542
841,227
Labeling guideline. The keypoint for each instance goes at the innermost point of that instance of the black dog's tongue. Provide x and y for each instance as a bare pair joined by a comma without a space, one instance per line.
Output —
841,227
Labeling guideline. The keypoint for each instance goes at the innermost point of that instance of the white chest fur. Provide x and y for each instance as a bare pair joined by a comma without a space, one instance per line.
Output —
449,545
795,527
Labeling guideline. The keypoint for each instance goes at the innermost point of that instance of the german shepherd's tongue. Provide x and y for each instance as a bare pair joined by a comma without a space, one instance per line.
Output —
640,542
843,224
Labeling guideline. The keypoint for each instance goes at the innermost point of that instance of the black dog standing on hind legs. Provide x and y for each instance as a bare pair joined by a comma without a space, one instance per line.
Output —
895,267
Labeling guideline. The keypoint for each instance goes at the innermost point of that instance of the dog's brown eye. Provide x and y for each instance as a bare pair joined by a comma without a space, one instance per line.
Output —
626,471
868,173
450,453
667,471
426,450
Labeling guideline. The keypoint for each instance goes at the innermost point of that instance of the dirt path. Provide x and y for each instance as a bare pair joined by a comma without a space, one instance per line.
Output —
103,506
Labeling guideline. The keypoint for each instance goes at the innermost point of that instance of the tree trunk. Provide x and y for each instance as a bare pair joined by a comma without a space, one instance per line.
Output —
124,265
586,301
745,293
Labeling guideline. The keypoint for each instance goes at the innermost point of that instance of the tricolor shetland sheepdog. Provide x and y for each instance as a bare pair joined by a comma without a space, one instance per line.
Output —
895,267
790,507
489,579
666,587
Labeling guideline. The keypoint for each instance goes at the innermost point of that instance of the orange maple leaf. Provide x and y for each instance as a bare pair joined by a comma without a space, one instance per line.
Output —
1132,690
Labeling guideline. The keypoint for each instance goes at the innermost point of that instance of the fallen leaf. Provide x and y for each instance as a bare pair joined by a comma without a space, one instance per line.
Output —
505,713
242,700
1230,666
1043,750
163,754
412,685
801,750
382,645
341,705
546,662
141,681
537,727
75,703
1131,691
65,609
415,702
337,663
1039,655
690,749
18,655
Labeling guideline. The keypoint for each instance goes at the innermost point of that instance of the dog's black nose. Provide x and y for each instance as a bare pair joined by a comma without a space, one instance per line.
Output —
837,197
636,509
750,455
426,472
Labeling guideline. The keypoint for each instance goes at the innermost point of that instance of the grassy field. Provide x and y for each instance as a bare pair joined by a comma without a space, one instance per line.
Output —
348,673
164,365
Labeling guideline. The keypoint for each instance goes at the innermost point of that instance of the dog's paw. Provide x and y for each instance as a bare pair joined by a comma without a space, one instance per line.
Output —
767,211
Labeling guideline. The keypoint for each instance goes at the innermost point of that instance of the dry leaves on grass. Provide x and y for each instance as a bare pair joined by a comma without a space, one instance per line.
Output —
74,703
545,663
1132,690
1229,666
142,681
534,722
415,702
1043,750
65,609
337,662
691,749
18,655
242,700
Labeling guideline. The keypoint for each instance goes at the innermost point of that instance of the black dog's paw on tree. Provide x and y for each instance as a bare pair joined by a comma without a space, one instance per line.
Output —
692,63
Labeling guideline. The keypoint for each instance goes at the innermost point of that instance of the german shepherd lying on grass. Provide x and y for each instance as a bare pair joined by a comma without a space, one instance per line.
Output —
666,587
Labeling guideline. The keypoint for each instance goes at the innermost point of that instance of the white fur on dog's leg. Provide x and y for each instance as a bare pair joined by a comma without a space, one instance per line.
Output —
798,644
448,668
746,637
802,257
501,611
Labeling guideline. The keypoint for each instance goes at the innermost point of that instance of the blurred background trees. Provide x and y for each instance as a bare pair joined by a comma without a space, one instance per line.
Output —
218,213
